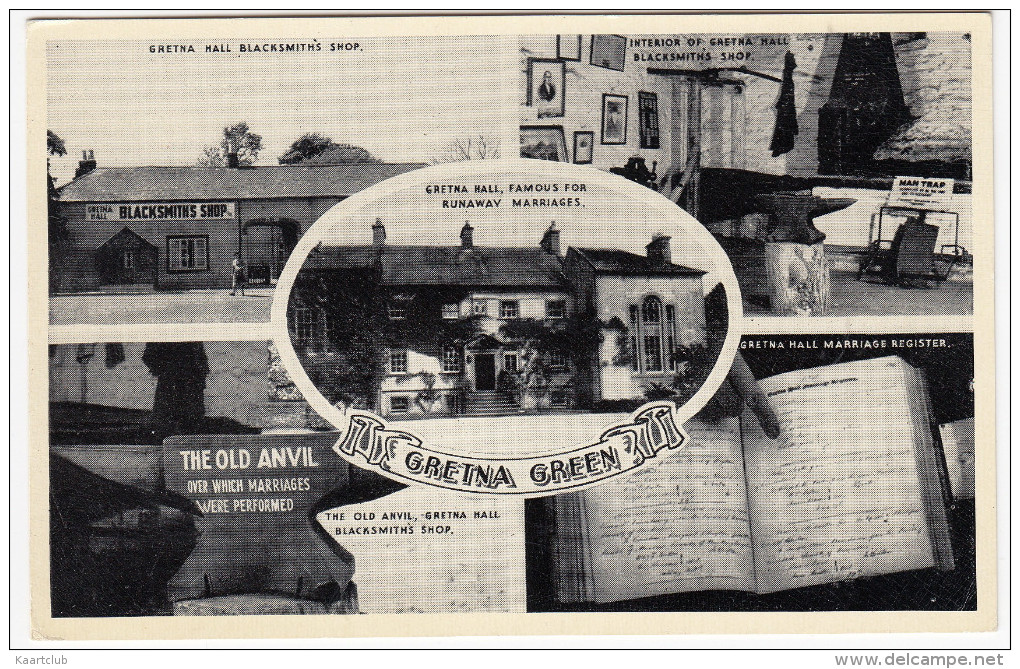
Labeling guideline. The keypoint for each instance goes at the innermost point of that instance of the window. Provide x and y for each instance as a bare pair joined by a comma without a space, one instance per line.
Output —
398,361
648,120
306,326
397,310
510,362
558,398
451,359
479,307
451,310
128,259
653,353
509,309
671,336
557,359
555,308
187,254
634,362
652,336
399,405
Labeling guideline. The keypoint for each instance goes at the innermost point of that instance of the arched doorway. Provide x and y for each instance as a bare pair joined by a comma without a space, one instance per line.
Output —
266,243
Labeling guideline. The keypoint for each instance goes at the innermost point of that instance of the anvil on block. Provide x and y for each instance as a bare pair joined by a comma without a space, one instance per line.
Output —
792,213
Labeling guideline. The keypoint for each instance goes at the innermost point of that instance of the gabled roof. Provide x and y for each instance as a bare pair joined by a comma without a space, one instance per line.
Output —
447,265
138,184
624,263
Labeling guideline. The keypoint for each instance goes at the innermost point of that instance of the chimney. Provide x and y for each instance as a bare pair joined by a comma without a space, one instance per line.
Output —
551,240
378,233
658,250
467,239
232,160
86,164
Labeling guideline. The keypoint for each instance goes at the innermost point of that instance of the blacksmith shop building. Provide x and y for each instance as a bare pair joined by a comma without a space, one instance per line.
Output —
482,330
179,227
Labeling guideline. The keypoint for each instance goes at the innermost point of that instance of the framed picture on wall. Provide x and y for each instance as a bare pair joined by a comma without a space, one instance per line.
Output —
545,86
648,120
609,51
568,47
584,146
543,142
614,119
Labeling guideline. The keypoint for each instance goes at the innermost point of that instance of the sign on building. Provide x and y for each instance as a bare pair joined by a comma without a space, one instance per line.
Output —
160,211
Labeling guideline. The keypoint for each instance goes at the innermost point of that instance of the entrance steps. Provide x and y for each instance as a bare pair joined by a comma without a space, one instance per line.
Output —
489,403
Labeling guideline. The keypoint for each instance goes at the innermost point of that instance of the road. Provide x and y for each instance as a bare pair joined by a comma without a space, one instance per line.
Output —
192,306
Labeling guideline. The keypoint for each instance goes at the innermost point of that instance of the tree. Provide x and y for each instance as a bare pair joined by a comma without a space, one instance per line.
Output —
57,225
472,148
238,139
54,144
313,148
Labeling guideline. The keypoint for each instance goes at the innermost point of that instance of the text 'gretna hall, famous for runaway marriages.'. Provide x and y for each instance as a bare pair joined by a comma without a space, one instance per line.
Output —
422,331
179,227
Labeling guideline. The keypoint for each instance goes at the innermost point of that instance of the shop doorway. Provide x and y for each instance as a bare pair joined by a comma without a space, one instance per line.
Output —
266,243
127,258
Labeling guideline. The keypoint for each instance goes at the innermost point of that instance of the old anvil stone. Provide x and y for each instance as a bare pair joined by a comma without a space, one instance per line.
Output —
259,495
792,215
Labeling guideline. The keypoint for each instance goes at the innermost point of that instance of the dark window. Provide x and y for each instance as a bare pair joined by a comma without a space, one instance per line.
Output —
399,404
556,308
187,253
306,324
557,359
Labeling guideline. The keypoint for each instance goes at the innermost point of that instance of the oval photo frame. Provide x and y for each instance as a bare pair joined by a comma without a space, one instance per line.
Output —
605,223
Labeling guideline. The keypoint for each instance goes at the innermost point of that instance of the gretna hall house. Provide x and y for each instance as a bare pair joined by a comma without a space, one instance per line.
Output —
417,331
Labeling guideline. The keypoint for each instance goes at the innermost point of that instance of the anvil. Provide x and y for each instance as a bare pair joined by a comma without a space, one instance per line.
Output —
792,214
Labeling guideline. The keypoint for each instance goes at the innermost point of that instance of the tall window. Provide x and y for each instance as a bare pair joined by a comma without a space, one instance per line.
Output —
306,324
398,361
510,362
635,362
509,309
187,253
671,336
652,336
451,359
479,307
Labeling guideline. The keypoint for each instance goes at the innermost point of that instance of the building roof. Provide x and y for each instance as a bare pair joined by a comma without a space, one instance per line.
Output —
614,261
505,267
138,184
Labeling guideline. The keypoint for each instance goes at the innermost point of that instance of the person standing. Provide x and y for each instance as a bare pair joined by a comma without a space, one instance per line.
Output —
237,278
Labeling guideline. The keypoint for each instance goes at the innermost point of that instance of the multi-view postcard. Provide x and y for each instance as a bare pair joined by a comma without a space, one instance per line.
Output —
684,316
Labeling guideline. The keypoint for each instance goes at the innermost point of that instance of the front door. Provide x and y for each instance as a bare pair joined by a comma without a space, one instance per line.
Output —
485,371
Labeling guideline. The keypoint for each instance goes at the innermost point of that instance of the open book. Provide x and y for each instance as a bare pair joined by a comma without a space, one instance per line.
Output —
853,487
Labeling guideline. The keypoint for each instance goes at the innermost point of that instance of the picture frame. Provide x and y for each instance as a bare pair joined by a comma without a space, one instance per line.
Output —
648,120
544,142
584,147
568,47
614,119
608,51
546,79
